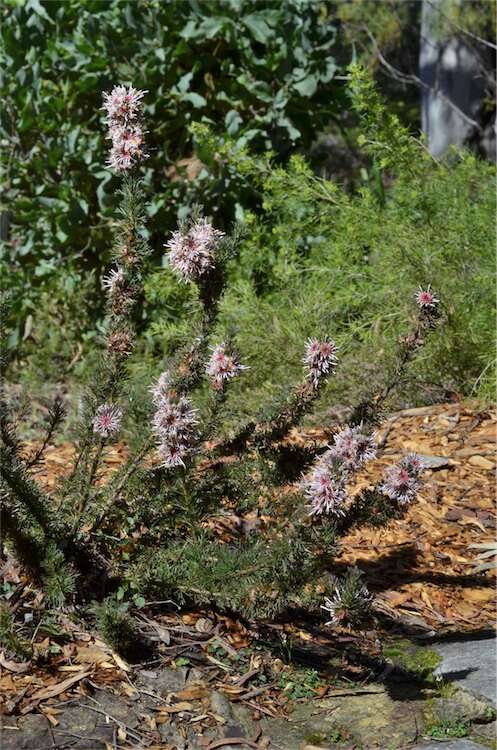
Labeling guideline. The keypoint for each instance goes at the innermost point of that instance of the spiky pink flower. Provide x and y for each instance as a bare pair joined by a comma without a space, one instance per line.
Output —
124,109
223,366
413,463
353,447
107,420
123,104
174,424
402,481
161,389
127,147
320,359
350,601
114,282
325,488
174,418
426,298
173,453
192,250
333,606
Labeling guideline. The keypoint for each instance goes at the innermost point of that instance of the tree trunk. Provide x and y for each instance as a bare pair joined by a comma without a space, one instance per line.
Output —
453,71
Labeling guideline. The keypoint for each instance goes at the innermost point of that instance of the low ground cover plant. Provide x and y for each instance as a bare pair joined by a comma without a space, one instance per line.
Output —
150,529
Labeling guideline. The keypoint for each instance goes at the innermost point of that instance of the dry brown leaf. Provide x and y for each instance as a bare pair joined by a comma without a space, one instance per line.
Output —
52,690
91,655
176,708
479,595
191,694
14,666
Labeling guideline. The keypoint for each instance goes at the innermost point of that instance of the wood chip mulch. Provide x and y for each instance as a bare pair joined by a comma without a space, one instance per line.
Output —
420,568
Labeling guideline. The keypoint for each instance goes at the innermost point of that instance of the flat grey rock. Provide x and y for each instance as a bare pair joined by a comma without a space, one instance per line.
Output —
471,664
435,462
452,745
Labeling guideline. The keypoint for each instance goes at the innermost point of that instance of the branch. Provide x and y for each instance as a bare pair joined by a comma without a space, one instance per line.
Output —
477,38
412,79
55,416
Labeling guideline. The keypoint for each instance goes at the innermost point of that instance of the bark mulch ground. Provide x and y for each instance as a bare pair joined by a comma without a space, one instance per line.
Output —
421,570
421,567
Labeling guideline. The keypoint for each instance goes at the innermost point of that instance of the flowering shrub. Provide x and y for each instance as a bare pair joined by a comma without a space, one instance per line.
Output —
182,475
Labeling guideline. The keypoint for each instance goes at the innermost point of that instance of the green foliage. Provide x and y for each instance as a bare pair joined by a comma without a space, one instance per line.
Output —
409,657
317,257
264,73
300,683
58,579
382,134
10,640
269,573
117,626
441,729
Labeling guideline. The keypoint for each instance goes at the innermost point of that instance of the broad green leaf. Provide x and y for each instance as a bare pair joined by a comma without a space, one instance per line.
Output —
38,8
193,98
184,82
233,120
307,86
284,122
256,24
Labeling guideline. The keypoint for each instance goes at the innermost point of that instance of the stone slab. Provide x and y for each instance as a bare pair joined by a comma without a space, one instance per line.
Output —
452,745
470,663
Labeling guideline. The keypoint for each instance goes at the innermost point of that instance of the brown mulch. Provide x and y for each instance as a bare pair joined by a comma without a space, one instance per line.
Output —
420,569
421,566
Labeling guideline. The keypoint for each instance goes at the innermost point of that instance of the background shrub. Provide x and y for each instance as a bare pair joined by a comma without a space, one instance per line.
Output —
267,81
264,73
316,258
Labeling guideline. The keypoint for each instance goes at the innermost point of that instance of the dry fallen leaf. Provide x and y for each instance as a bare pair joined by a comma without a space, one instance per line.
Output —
52,690
91,655
14,666
176,708
194,693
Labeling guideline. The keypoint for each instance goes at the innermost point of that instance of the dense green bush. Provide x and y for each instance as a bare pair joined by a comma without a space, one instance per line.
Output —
262,72
317,257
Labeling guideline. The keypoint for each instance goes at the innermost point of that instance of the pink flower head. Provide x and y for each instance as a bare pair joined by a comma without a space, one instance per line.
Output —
402,482
353,448
124,109
320,359
334,607
161,389
325,488
426,298
172,454
174,424
127,148
107,420
350,602
123,104
413,464
174,418
114,282
223,366
191,251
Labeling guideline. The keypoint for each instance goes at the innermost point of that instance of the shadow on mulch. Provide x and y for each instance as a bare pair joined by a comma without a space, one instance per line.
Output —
398,567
